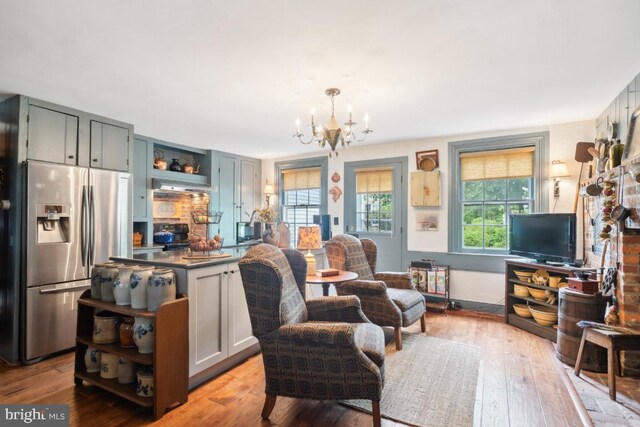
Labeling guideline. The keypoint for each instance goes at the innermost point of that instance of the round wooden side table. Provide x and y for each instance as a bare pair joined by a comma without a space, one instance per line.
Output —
343,276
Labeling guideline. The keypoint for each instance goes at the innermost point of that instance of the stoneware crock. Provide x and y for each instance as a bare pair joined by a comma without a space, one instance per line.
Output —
108,275
138,284
162,287
105,327
92,358
109,366
126,371
144,334
145,386
96,276
121,286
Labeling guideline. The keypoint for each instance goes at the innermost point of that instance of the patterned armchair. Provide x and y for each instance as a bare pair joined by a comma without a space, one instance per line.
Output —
388,299
324,348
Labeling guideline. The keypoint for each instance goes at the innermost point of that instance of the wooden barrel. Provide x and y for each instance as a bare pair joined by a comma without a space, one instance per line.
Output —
572,308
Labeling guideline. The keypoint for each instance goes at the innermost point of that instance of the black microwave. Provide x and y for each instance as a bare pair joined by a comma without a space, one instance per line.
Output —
248,231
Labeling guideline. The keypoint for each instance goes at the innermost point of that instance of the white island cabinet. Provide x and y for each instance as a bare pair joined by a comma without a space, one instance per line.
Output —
219,326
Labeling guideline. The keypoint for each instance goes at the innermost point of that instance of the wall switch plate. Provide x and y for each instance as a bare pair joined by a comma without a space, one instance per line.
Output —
336,220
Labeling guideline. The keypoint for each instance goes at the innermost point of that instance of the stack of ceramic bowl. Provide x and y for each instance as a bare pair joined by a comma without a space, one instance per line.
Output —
521,291
522,310
545,316
538,294
524,276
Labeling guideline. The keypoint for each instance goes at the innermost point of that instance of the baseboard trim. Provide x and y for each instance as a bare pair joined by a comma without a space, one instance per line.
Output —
482,307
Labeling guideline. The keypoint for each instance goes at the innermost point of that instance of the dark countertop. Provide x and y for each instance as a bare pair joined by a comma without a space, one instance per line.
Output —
147,247
175,259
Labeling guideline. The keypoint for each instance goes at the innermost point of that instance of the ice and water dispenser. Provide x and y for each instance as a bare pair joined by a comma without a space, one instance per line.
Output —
53,223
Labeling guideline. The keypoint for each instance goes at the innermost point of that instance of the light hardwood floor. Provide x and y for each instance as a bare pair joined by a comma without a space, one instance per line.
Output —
520,384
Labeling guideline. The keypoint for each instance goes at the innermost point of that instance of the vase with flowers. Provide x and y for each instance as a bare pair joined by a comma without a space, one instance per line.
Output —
270,233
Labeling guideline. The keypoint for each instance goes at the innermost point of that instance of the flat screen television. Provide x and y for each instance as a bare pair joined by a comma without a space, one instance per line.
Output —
543,237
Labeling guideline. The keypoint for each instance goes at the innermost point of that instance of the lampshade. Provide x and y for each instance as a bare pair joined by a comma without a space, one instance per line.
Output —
559,169
268,189
309,237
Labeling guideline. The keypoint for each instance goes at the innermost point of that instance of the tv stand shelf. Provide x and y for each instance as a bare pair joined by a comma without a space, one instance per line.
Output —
529,324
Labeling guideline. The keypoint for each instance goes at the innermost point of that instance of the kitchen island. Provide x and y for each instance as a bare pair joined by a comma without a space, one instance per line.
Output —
219,326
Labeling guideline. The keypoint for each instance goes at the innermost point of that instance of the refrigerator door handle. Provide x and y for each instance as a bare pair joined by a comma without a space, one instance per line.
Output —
92,225
83,226
53,290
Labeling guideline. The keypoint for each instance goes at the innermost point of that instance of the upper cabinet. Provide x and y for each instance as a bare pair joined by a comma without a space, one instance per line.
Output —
64,135
53,136
239,191
142,156
425,188
109,146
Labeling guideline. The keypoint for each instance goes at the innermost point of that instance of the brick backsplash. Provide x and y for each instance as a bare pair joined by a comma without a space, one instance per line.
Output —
189,202
623,253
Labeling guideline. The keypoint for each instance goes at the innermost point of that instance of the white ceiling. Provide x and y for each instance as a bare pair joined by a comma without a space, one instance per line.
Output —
234,75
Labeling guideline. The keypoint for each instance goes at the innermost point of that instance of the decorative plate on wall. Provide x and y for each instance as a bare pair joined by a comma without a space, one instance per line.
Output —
335,177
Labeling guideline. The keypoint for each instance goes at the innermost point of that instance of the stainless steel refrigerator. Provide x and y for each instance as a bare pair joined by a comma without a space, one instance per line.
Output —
75,217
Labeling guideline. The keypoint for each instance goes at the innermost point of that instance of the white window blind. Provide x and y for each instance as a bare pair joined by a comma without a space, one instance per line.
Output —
497,164
374,181
301,179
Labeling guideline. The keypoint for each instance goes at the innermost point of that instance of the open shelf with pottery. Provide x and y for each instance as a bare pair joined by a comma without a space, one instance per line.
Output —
175,162
517,291
169,359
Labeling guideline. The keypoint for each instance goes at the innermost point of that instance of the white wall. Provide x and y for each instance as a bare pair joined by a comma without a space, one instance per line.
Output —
465,285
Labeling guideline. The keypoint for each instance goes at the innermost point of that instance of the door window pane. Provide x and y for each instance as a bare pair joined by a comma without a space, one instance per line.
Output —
374,212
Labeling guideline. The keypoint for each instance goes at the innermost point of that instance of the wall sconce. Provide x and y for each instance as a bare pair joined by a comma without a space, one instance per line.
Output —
558,170
268,191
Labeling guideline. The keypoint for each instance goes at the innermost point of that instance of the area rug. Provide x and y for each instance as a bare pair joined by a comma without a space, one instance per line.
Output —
431,382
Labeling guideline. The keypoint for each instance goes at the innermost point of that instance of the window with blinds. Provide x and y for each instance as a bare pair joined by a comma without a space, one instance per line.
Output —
301,191
374,200
494,184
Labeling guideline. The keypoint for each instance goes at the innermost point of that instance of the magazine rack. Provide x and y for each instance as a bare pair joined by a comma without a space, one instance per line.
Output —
431,279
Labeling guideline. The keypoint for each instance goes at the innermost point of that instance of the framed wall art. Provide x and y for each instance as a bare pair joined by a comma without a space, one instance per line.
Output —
427,221
427,160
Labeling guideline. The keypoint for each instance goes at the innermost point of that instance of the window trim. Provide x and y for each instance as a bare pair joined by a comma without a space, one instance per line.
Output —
321,162
539,140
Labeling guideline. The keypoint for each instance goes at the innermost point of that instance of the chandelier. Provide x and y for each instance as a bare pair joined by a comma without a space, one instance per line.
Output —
332,134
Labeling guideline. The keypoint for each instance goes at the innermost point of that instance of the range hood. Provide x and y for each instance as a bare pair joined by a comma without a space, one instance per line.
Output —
180,186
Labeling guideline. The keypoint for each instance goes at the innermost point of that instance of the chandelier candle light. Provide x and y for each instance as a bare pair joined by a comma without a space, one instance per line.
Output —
309,238
332,134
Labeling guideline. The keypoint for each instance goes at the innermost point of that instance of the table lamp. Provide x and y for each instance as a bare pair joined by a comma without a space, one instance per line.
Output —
309,237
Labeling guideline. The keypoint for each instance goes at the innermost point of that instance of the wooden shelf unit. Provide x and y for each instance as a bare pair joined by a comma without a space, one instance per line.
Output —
529,324
169,358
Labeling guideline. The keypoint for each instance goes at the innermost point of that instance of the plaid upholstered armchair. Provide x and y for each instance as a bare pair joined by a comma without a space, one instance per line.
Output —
388,299
324,348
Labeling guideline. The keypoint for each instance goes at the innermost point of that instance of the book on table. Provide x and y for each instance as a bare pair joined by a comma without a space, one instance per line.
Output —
326,272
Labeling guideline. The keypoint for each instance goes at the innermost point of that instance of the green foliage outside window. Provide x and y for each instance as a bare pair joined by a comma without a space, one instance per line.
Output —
486,207
374,212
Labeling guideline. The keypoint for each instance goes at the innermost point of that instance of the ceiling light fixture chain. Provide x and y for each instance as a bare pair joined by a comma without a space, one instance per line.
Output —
332,133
